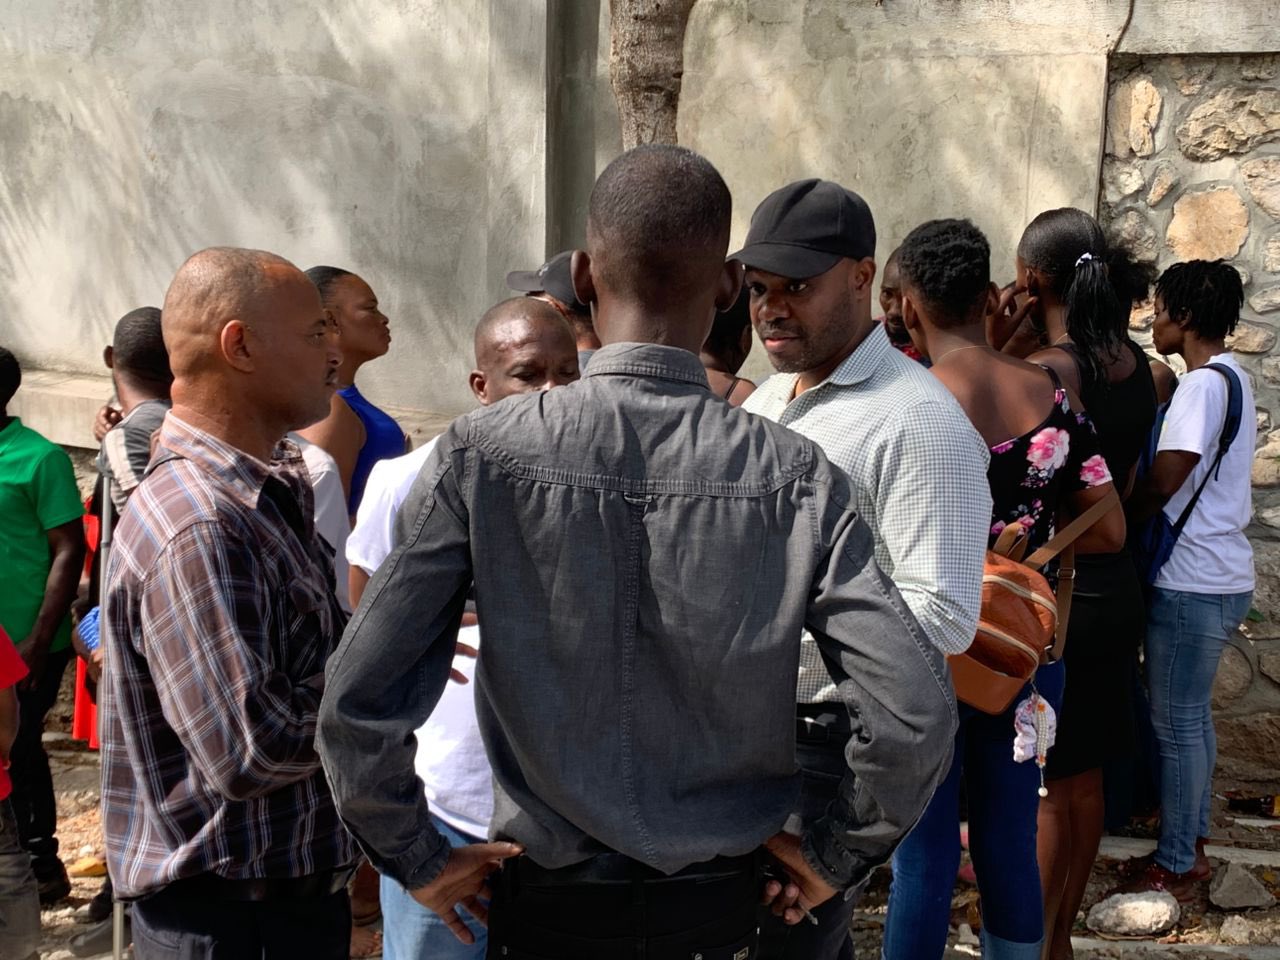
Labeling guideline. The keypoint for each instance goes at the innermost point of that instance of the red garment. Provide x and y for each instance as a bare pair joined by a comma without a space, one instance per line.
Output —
12,669
84,722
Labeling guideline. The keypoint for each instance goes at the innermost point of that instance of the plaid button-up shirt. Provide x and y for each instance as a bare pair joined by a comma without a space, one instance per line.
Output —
218,619
919,472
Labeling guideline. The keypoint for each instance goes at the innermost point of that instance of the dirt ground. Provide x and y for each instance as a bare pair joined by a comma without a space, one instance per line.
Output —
1196,937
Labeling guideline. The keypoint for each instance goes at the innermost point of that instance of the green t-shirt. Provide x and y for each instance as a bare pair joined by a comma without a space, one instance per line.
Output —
37,493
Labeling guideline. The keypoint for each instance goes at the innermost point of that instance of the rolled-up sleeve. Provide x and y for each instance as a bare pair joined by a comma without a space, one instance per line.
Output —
897,689
389,671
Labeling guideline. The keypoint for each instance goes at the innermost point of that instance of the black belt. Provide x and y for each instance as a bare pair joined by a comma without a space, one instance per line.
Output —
210,886
616,868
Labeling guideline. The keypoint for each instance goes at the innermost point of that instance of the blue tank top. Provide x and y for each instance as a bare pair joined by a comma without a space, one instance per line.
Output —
383,439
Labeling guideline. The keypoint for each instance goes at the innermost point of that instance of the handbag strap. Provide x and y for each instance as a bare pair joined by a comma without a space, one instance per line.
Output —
1064,544
1073,531
1230,427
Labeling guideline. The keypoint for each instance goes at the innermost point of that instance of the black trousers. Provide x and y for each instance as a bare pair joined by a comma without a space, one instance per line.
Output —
541,914
820,753
174,926
34,806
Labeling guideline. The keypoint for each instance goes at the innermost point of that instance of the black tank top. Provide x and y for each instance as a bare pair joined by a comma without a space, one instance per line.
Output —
1122,412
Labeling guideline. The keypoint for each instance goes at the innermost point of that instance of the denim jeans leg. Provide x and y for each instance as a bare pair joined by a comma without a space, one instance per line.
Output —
412,932
19,900
1003,803
924,870
1185,637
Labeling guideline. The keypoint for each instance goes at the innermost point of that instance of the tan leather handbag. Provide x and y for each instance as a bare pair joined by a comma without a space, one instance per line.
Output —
1022,623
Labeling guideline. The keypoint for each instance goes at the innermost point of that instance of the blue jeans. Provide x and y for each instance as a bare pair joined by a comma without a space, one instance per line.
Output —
1185,636
19,902
1003,802
412,932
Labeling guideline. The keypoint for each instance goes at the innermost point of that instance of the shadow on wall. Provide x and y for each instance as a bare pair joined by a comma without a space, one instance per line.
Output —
138,133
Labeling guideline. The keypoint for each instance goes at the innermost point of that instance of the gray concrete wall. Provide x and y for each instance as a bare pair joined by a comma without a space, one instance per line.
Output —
404,141
433,146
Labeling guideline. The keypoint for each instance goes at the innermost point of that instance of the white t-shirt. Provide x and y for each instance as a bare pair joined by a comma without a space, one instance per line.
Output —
331,511
451,760
1213,554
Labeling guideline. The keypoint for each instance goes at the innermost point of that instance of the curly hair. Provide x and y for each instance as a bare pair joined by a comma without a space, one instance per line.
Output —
1203,296
947,263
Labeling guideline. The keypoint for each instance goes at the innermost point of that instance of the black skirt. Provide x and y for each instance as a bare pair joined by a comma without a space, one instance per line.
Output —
1107,627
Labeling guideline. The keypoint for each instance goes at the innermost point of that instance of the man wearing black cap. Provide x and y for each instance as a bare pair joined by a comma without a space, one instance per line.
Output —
551,282
918,466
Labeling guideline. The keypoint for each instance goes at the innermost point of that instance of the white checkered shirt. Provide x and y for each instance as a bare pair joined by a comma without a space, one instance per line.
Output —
919,472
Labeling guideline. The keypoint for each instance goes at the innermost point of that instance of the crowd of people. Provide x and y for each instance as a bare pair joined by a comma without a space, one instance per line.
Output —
638,658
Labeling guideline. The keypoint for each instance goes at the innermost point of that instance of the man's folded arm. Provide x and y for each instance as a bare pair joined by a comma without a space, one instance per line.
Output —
390,670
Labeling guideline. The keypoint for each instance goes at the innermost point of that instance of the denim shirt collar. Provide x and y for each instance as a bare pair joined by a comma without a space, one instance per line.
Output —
244,474
648,360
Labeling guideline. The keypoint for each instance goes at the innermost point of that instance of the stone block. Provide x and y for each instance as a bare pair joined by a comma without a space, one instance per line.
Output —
1135,233
1165,178
1233,121
1208,225
1266,300
1251,338
1245,275
1134,914
1122,180
1269,664
1262,178
1254,737
1235,888
1191,74
1266,466
1132,116
1234,676
1238,931
1271,255
1260,68
1264,420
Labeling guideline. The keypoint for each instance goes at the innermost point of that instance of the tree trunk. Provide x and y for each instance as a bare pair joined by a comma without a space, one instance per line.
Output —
646,65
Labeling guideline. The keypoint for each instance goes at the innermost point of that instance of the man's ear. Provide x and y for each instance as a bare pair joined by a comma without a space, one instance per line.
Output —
234,342
108,356
1035,280
862,275
910,316
993,298
584,287
729,285
479,386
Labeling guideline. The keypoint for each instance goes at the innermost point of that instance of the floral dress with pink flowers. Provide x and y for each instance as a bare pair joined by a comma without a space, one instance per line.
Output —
1033,474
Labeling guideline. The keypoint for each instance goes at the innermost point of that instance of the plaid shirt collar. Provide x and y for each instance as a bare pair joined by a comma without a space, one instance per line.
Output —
243,475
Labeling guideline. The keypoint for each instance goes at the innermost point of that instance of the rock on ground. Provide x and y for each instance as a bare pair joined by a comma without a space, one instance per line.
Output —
1235,888
1134,914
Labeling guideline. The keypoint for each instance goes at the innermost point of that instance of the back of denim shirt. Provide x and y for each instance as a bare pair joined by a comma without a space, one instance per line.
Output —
644,557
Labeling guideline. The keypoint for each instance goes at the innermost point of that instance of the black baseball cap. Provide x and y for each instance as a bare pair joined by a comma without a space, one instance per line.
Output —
806,227
551,278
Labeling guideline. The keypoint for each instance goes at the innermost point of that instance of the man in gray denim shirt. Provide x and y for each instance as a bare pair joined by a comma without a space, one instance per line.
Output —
645,558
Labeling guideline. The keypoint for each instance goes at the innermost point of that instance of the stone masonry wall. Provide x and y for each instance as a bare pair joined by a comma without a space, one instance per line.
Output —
1192,170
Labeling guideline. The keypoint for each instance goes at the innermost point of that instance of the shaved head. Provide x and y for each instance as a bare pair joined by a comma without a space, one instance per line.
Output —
213,287
249,342
522,345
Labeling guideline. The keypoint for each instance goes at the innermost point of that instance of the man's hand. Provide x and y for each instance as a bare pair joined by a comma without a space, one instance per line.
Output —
462,882
107,417
461,649
35,654
806,888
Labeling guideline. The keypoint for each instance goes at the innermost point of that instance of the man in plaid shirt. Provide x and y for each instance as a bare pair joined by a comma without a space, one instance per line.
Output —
219,616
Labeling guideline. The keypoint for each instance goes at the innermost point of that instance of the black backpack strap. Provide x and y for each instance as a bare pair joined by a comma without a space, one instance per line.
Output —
1230,427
